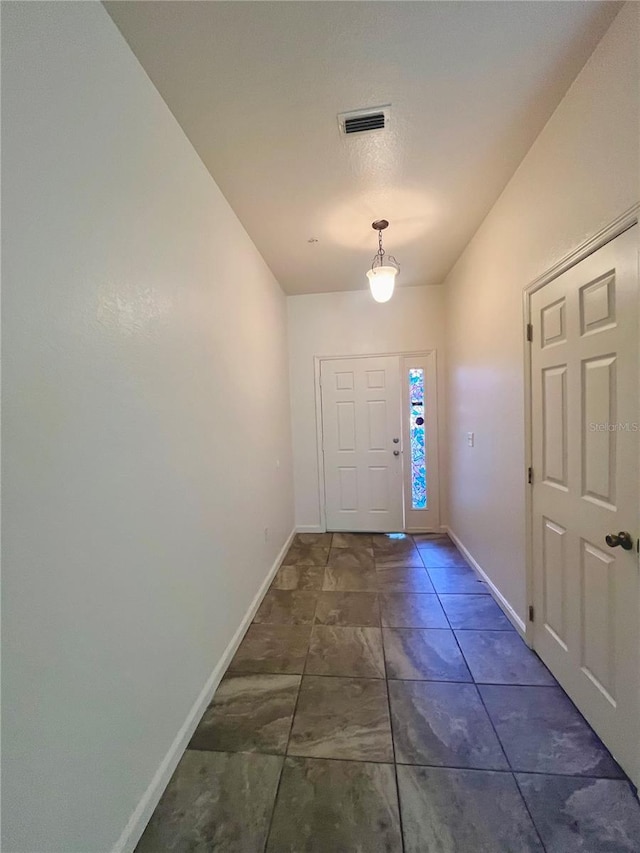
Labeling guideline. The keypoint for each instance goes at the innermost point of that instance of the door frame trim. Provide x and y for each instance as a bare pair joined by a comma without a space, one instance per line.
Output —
317,364
615,228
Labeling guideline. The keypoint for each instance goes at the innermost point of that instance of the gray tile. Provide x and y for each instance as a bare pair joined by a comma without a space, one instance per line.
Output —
501,657
477,612
459,811
542,732
272,648
287,607
215,801
350,579
411,610
336,806
432,538
351,558
423,654
357,609
355,652
306,555
384,544
352,540
299,577
322,540
583,815
405,558
457,580
249,713
434,544
342,718
396,579
390,542
443,724
434,556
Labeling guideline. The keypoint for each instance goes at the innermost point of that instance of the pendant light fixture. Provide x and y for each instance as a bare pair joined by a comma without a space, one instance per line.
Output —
384,268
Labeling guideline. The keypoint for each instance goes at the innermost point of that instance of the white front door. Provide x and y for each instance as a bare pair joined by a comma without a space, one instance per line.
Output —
585,444
380,443
362,443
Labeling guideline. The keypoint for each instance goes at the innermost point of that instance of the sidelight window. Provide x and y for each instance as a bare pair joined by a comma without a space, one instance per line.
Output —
417,433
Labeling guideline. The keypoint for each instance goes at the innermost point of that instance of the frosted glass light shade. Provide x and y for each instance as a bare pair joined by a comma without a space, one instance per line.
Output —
382,281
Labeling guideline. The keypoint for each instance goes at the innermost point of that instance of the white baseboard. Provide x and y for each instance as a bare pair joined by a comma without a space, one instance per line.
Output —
145,808
316,528
509,612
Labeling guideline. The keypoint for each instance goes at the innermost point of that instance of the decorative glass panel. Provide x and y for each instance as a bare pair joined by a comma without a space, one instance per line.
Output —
417,436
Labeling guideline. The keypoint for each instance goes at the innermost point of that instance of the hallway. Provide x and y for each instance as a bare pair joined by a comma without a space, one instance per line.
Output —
381,701
200,200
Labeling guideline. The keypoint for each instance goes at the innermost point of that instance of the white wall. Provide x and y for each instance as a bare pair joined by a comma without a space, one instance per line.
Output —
580,174
145,409
335,324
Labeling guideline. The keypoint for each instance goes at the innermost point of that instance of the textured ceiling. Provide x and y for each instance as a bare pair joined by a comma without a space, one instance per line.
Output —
257,87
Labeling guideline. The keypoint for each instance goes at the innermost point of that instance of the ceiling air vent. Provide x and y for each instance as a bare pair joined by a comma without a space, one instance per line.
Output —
364,121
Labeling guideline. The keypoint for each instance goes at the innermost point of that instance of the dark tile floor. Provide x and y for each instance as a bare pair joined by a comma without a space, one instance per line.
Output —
381,701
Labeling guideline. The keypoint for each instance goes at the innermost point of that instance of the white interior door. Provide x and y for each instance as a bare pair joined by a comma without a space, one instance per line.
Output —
585,445
362,443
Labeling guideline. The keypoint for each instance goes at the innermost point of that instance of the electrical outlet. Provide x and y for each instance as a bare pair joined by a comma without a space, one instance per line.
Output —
266,534
470,439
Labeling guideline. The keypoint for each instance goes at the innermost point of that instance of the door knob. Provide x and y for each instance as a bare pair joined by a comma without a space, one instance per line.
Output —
396,440
623,539
396,453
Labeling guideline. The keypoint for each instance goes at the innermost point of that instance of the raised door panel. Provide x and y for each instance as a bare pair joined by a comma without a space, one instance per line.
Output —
599,430
598,619
346,425
378,492
344,380
598,304
376,379
553,323
377,424
554,580
554,425
348,488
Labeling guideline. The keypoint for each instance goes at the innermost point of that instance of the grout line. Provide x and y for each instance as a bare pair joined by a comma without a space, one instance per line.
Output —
286,749
423,764
295,707
526,806
472,680
508,771
457,592
273,807
393,743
